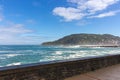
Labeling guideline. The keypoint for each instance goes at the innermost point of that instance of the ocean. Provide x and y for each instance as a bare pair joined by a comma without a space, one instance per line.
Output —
25,54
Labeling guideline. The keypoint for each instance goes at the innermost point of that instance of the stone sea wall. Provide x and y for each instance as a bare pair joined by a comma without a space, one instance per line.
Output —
57,70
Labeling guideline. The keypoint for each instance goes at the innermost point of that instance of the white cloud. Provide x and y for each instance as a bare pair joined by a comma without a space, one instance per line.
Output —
107,14
11,33
19,34
93,5
83,8
68,13
14,29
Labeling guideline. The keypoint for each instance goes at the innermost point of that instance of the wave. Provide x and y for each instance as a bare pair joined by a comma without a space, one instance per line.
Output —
5,56
75,46
1,66
7,51
79,46
17,63
78,54
41,54
12,55
59,52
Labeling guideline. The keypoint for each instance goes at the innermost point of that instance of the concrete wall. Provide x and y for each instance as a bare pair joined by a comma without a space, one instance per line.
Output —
57,70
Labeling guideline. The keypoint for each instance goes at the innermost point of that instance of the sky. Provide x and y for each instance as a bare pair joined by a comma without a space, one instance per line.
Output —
37,21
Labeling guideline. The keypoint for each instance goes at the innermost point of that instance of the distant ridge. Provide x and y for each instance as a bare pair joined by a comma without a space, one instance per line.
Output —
87,39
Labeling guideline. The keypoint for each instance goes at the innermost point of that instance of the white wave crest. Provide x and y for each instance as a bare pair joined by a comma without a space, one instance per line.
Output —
1,66
17,63
12,55
4,56
6,51
59,52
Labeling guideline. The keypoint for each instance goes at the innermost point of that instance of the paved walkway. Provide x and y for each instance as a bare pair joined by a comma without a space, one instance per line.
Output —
109,73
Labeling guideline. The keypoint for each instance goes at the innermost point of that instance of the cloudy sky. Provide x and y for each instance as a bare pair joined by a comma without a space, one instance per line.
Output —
37,21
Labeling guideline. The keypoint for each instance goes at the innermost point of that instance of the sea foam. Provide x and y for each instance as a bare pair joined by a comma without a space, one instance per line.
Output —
17,63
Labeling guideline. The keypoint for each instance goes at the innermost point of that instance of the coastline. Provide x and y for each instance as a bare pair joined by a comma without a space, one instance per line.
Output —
83,45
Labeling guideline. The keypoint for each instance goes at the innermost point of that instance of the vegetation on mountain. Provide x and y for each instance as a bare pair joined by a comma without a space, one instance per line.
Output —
87,39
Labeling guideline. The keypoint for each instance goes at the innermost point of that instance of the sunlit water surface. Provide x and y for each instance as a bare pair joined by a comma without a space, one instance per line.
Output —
25,54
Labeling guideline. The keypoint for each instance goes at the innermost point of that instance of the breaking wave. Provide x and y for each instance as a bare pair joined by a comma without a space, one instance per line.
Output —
32,54
17,63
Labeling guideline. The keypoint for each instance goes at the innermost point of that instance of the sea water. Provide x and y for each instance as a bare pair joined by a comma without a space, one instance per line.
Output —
25,54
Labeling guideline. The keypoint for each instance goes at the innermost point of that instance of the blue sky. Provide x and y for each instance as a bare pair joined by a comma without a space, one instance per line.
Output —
37,21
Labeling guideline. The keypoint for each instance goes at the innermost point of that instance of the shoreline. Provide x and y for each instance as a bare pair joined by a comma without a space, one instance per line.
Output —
83,45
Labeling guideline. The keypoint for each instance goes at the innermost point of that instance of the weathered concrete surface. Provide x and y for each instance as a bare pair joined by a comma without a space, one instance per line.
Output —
57,70
109,73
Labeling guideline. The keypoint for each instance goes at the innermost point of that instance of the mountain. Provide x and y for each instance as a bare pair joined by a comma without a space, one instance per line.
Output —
87,39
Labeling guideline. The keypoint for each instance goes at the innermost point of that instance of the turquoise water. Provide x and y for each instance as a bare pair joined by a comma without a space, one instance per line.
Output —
25,54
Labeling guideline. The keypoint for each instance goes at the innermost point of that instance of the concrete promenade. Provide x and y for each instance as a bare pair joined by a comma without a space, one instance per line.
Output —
108,73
